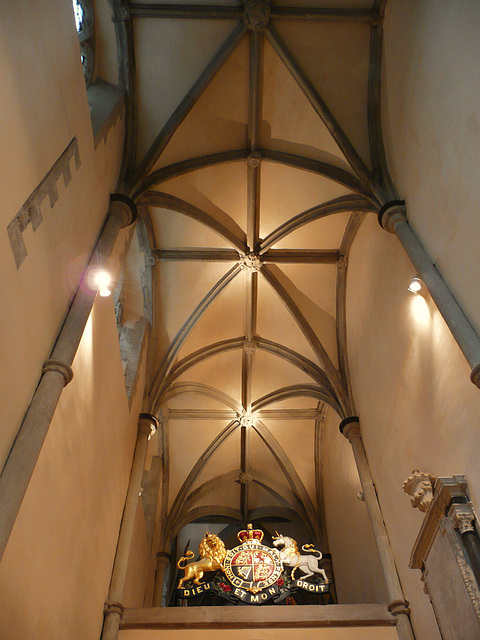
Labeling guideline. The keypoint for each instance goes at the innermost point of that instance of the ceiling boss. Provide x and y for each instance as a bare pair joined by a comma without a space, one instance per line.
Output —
255,571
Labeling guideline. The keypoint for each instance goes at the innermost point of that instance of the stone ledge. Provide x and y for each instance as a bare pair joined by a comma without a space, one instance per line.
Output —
334,615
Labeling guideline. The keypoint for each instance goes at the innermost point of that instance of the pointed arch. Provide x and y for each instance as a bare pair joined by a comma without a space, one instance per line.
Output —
338,205
186,328
233,234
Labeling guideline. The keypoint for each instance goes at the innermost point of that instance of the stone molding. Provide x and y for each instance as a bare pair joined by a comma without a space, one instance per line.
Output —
113,607
63,369
147,423
350,428
391,214
462,516
465,570
399,607
30,211
123,207
444,492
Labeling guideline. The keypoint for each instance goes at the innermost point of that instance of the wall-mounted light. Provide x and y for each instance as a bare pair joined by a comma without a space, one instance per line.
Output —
416,285
103,281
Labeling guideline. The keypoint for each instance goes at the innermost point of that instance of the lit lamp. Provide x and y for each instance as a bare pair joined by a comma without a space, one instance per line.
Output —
103,280
415,285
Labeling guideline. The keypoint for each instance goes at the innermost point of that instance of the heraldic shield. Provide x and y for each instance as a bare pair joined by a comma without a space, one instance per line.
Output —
256,573
252,566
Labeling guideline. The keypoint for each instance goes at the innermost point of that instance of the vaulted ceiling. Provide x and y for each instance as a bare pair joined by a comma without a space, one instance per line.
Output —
254,153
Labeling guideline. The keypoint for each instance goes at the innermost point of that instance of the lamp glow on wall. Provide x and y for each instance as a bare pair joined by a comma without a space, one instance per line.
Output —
416,285
103,280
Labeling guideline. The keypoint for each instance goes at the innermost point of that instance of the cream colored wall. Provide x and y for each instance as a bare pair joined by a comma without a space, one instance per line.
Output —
44,105
55,573
358,573
431,121
417,406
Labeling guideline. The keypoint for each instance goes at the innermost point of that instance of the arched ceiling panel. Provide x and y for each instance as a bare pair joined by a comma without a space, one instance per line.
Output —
174,230
218,190
187,440
218,322
259,496
223,371
227,495
218,121
261,458
335,57
189,401
271,373
275,323
325,232
170,56
225,459
299,402
320,321
305,134
182,282
296,438
316,282
287,191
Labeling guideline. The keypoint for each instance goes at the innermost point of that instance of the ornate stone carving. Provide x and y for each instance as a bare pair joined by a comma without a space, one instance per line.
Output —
465,570
462,517
250,262
245,419
420,487
256,14
244,478
254,159
342,263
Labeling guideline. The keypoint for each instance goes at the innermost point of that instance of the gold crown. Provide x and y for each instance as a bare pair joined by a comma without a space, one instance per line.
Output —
250,534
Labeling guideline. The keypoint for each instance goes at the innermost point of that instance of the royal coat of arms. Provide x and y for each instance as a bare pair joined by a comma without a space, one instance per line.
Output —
254,570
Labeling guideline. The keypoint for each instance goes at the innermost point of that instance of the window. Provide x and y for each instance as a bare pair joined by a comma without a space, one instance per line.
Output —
85,23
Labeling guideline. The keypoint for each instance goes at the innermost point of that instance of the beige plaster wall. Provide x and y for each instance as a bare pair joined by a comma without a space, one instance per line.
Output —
55,573
417,406
44,106
358,573
431,123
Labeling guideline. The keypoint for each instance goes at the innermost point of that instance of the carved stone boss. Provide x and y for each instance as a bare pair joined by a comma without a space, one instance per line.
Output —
447,551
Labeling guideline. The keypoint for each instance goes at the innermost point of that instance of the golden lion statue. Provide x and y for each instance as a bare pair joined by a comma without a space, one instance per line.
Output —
212,554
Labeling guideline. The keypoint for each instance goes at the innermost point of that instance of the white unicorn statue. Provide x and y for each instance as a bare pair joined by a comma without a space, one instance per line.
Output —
290,556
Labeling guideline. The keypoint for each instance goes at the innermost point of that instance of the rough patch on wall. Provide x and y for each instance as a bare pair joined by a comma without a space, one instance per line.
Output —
30,211
131,343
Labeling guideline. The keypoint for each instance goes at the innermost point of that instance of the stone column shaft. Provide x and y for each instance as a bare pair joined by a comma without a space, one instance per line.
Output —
163,560
350,428
393,218
56,373
147,425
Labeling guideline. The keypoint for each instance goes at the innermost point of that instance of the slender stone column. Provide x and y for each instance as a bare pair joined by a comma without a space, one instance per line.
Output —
392,217
398,606
163,560
147,425
57,372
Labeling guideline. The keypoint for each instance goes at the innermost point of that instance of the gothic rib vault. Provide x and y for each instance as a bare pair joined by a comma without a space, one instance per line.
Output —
254,153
